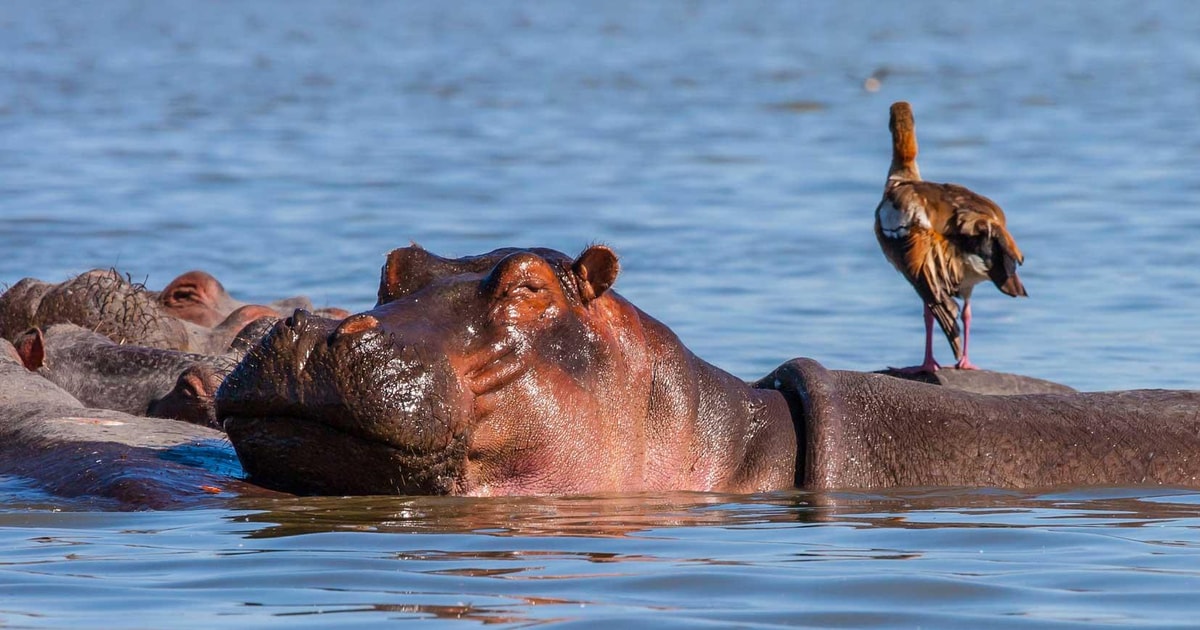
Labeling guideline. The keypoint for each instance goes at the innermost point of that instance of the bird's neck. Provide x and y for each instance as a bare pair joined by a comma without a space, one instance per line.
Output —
904,150
903,170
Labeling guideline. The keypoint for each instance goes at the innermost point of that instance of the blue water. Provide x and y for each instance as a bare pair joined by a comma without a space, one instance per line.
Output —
732,155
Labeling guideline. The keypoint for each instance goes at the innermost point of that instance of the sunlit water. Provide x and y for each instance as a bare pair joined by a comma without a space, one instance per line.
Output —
732,156
940,558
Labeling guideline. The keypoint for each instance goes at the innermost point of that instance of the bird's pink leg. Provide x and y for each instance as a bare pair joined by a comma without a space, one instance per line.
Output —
964,363
928,365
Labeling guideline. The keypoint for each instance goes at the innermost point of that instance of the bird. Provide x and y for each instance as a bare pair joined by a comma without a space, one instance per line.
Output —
944,239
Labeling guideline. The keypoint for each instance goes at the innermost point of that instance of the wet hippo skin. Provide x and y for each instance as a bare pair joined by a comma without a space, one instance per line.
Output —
862,430
522,359
982,381
515,372
521,371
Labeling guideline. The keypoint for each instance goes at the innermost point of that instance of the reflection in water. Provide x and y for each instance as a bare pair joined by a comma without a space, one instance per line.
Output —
641,515
991,507
465,612
592,516
898,557
832,559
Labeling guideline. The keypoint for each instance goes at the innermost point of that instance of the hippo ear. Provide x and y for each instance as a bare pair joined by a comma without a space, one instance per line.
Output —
596,268
190,384
193,287
32,348
404,268
197,297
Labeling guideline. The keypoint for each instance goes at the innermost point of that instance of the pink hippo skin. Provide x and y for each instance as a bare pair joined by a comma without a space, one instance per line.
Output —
515,372
220,338
523,372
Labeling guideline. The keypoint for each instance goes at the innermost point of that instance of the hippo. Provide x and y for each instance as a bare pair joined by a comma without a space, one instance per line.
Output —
223,337
100,300
19,306
522,372
515,372
250,334
982,381
193,314
198,297
106,458
867,430
133,379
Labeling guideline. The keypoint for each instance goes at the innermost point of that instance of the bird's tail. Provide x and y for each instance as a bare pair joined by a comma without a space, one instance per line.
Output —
1003,270
945,311
1012,286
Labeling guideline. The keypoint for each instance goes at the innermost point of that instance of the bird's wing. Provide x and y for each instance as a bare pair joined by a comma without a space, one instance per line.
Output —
926,258
978,227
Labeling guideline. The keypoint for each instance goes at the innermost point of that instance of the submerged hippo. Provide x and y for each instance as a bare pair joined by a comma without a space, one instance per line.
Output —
861,430
100,300
199,298
223,337
104,457
103,374
193,314
522,372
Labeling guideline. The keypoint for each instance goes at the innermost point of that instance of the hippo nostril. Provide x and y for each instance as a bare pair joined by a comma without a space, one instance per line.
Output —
354,325
298,318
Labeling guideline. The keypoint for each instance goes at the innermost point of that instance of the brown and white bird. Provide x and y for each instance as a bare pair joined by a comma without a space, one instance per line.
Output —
944,239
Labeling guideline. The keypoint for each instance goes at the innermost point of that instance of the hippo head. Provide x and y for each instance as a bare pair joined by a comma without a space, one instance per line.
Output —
514,372
101,299
191,399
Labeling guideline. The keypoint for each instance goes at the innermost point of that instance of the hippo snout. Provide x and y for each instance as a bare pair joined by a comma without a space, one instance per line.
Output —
349,386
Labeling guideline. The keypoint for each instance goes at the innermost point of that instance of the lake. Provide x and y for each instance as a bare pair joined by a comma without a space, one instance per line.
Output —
732,154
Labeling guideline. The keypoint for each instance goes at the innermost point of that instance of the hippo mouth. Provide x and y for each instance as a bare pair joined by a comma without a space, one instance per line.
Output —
325,408
312,457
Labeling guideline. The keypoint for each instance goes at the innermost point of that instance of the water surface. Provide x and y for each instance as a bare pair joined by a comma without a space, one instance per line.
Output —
732,155
944,558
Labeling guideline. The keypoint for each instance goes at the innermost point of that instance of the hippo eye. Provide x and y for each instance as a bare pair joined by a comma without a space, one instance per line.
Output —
184,294
526,289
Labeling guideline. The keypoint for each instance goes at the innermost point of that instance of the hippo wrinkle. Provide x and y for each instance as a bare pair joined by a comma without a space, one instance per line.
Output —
503,363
